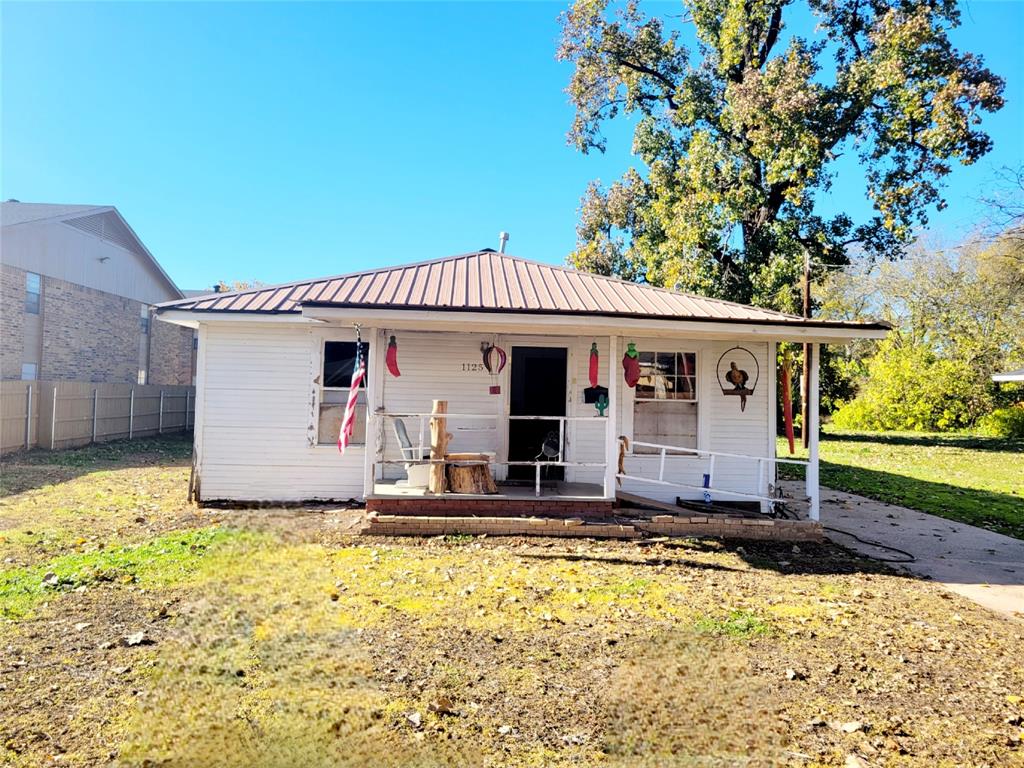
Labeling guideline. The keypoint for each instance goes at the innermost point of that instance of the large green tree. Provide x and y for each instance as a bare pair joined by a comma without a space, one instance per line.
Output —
739,137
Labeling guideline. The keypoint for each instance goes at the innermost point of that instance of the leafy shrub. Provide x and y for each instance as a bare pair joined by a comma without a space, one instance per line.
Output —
1003,422
910,388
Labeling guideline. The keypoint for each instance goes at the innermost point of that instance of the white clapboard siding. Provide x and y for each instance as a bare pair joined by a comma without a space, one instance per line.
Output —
257,405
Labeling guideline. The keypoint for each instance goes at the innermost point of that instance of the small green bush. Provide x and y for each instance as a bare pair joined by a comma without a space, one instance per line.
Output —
1003,422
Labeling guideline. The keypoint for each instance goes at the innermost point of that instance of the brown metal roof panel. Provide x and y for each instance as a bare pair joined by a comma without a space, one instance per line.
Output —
487,276
404,287
509,285
460,293
445,286
562,281
641,298
525,284
389,289
541,278
474,275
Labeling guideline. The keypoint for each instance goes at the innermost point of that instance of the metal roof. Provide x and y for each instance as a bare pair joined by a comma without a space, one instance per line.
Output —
486,281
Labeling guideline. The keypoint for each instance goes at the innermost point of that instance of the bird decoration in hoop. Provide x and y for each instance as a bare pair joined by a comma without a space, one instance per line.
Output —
738,372
494,359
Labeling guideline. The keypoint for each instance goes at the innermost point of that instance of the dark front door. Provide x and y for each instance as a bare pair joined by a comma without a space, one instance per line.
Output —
537,388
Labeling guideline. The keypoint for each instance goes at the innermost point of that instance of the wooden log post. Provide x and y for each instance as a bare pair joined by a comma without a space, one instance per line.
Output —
439,438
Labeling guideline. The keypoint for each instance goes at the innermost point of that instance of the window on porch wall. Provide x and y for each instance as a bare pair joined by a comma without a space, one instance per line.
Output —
338,360
665,401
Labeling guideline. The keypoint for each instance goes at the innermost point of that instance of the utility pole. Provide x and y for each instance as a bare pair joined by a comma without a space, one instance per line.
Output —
805,383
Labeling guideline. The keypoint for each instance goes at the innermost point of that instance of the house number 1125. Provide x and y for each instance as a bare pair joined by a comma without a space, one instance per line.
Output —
473,367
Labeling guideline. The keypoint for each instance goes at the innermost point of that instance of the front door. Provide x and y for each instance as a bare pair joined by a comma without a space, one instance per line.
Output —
537,388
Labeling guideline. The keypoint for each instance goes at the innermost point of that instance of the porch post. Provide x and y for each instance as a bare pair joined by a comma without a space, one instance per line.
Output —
813,492
374,400
611,448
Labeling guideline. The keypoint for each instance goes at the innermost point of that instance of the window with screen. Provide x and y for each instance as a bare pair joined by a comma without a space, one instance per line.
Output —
29,371
33,290
665,403
339,359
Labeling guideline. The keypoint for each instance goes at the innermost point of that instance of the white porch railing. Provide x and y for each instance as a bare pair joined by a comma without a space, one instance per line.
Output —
708,487
423,420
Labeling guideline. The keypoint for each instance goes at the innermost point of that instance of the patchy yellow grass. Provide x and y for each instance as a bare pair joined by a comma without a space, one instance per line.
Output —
296,646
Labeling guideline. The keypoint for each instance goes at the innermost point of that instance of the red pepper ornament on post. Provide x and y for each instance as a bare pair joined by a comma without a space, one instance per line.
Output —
631,365
594,365
391,358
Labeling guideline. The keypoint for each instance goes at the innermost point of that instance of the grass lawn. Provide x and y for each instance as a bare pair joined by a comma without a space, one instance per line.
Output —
139,631
976,480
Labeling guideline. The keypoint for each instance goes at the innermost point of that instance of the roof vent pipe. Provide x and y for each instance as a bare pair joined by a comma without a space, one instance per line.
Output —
502,239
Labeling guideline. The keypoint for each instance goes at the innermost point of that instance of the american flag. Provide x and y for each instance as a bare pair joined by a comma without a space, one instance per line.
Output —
349,419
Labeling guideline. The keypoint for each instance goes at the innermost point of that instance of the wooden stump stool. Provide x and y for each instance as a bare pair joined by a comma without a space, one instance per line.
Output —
469,473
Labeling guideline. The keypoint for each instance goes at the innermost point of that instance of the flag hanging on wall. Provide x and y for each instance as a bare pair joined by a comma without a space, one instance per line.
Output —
349,419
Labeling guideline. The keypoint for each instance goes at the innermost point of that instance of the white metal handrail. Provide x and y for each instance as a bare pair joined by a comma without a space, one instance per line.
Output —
421,447
763,462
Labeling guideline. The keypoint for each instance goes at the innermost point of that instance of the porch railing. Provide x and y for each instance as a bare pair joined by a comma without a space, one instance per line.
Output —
423,420
708,488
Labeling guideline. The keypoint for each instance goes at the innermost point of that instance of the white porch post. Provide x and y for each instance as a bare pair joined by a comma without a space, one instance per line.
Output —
611,449
813,492
374,401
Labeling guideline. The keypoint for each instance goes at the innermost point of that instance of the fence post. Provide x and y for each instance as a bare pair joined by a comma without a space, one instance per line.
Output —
131,414
28,417
95,408
188,400
53,420
160,427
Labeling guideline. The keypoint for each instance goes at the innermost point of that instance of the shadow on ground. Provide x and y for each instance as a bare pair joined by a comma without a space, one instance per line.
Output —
28,470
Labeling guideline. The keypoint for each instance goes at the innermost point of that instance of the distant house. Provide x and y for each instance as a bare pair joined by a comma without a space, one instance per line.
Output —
78,288
1017,375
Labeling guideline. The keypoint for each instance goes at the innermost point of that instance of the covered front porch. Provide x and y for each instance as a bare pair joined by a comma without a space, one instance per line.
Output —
542,438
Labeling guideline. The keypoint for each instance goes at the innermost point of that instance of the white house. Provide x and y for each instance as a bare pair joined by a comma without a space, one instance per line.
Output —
275,363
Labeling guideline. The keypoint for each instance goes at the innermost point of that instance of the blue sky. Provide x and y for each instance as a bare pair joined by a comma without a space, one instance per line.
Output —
280,141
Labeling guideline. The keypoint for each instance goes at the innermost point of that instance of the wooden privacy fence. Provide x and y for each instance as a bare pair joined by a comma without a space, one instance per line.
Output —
67,414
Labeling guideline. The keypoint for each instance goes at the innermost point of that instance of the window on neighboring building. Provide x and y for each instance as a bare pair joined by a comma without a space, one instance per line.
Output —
29,371
142,376
665,404
33,288
144,319
339,358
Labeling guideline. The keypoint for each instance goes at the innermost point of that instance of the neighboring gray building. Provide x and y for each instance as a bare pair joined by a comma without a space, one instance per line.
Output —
76,290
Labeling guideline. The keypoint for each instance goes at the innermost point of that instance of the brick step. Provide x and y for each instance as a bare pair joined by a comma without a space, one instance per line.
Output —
379,524
502,507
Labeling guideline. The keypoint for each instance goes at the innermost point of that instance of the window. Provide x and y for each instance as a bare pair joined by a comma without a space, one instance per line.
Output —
33,287
665,404
339,359
29,371
144,320
142,376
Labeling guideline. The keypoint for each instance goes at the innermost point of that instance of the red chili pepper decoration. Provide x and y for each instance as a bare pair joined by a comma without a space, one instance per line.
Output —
593,364
631,365
391,358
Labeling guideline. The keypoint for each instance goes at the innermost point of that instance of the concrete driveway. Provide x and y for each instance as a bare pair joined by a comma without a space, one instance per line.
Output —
981,565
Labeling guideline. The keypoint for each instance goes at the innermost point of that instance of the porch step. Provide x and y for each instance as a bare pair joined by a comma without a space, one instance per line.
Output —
694,526
475,506
426,525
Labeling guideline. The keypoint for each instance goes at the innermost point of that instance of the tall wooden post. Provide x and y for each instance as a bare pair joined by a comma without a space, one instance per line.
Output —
439,438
